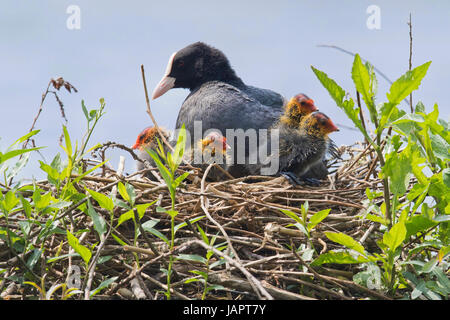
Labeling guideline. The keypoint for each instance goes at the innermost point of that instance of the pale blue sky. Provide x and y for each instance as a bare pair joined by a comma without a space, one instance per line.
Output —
270,44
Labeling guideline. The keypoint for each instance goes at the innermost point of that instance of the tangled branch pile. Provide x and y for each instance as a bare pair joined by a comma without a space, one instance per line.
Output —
262,254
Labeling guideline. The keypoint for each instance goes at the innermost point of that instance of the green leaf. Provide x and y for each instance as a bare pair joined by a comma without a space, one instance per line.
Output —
170,163
203,234
317,218
184,224
442,279
142,207
338,257
292,215
33,258
180,179
346,241
63,256
14,168
165,173
363,83
131,192
440,147
190,280
84,252
301,227
106,283
172,213
68,148
52,173
399,169
335,91
418,223
407,83
339,96
42,201
442,218
150,223
81,176
370,278
26,206
25,137
180,146
402,88
394,237
10,201
148,226
11,154
99,222
192,257
104,201
304,210
118,240
59,204
125,216
123,191
217,263
375,218
200,273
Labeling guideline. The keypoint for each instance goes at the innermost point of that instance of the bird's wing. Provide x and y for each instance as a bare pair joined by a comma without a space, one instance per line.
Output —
222,106
266,97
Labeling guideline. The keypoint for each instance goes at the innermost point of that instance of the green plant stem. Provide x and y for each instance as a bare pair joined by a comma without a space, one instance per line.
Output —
391,267
205,288
98,115
172,241
386,191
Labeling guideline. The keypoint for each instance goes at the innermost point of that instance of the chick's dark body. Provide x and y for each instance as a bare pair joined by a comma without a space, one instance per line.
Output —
296,152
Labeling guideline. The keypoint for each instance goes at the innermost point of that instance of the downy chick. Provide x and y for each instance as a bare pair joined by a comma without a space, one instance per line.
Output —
212,149
300,148
147,140
298,107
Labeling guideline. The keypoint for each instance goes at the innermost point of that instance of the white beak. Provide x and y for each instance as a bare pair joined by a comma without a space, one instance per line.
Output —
166,82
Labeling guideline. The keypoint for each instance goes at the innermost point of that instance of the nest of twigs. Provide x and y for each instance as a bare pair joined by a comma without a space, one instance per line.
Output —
242,213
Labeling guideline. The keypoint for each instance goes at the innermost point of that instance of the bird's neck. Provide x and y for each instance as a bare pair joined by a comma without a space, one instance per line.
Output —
231,79
235,81
221,71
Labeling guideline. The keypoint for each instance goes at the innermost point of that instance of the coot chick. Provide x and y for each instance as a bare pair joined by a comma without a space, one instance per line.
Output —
146,140
300,148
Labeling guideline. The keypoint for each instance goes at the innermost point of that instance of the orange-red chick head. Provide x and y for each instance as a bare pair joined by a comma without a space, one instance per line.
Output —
147,138
214,142
298,107
318,124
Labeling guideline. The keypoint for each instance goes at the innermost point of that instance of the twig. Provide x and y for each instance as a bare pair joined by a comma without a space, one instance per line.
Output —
252,279
410,58
149,111
241,285
353,54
